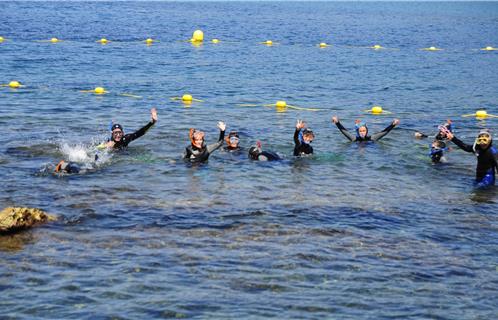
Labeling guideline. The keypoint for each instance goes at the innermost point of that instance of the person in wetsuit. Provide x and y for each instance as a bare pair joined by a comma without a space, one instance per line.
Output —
232,141
438,145
256,153
302,139
486,153
362,131
117,141
198,151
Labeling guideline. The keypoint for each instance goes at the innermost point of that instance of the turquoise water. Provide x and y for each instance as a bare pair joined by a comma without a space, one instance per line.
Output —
355,231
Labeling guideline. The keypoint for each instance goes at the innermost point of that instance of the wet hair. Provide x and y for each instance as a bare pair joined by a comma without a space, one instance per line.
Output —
193,133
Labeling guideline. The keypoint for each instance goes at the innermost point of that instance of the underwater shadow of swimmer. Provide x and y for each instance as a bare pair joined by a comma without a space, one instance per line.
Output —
488,195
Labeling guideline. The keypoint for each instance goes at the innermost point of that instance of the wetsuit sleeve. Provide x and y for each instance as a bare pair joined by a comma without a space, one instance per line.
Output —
296,138
140,132
345,132
214,146
462,145
187,153
377,136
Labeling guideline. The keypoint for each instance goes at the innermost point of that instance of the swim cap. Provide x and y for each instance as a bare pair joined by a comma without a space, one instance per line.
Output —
116,126
358,124
254,152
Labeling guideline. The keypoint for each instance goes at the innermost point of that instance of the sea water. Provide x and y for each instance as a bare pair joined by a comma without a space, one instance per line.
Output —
354,231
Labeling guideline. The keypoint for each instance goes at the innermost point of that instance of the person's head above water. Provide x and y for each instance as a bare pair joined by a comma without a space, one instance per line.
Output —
255,151
117,132
196,138
484,139
308,136
232,139
361,129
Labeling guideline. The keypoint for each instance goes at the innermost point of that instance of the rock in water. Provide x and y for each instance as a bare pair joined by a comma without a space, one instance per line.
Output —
14,219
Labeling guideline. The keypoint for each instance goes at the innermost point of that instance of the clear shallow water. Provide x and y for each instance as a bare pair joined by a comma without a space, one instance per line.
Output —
370,231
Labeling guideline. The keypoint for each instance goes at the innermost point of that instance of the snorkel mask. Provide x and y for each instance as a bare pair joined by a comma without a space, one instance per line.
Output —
232,139
117,133
484,138
306,136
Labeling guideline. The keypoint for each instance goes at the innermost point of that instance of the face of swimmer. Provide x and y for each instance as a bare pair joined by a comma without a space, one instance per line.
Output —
233,142
308,138
484,140
117,134
362,131
198,140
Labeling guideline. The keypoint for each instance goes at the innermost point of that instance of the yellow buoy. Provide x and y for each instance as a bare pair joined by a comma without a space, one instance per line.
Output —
376,109
198,36
187,98
268,42
481,114
281,104
377,47
103,41
489,49
149,41
432,49
323,45
2,39
215,41
14,84
99,90
54,40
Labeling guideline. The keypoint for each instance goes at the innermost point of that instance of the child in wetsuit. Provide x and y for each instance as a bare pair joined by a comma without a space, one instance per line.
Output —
487,163
362,131
438,146
302,139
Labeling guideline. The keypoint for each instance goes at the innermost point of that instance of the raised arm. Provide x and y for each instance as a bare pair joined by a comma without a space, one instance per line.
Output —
462,145
299,125
140,132
377,136
343,130
214,146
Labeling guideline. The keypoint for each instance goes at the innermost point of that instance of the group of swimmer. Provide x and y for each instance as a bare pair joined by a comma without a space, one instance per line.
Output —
198,151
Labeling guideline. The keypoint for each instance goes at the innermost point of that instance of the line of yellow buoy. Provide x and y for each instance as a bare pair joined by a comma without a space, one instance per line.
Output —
198,38
280,105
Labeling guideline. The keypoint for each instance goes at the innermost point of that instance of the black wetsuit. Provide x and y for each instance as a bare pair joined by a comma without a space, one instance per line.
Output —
486,159
374,137
127,138
301,148
197,155
265,156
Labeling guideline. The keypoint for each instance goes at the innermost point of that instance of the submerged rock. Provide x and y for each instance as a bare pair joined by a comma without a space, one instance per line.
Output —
14,219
